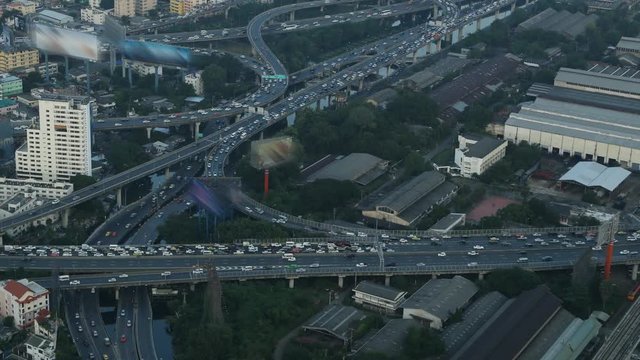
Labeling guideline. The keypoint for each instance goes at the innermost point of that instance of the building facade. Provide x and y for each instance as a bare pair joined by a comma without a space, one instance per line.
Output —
124,8
144,69
40,348
23,6
21,203
144,6
475,155
195,80
44,189
61,146
182,7
93,15
13,58
628,45
10,86
24,300
598,82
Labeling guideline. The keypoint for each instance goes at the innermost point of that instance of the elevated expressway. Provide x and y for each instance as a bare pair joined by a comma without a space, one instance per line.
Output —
414,39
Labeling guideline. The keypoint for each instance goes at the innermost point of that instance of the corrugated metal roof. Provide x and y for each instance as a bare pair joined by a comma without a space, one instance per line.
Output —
580,121
629,43
593,174
413,190
381,291
595,79
442,297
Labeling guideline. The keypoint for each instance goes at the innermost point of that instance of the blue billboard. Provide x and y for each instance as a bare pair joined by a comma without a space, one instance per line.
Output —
154,53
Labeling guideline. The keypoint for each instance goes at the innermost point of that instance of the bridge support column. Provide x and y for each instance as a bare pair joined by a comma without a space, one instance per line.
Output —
156,79
460,34
119,197
435,11
226,12
389,67
481,276
148,133
357,5
361,85
387,280
438,45
478,25
210,46
449,38
196,130
65,218
434,276
117,293
340,282
513,7
130,77
413,18
292,16
634,272
292,283
192,287
497,14
321,8
167,173
526,3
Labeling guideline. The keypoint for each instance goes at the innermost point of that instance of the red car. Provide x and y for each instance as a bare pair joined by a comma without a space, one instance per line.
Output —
123,339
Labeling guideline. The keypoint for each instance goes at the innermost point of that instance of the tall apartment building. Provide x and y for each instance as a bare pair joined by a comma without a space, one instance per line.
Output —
9,85
182,7
61,145
124,8
12,58
144,6
24,300
133,7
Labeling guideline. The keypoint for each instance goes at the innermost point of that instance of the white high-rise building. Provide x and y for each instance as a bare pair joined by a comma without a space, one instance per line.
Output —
60,147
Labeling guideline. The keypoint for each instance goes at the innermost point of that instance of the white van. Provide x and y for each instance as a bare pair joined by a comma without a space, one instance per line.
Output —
63,277
523,259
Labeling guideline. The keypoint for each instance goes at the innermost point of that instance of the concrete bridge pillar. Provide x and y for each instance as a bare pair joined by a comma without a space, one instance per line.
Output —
357,5
438,45
226,12
435,11
361,84
480,276
513,7
210,46
526,3
634,272
167,172
238,116
149,133
448,37
478,24
117,293
196,130
321,8
119,197
155,31
434,276
65,217
192,287
387,280
413,18
340,282
292,16
497,14
460,34
292,283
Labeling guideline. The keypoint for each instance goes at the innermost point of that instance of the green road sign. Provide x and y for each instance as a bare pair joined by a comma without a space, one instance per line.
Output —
277,77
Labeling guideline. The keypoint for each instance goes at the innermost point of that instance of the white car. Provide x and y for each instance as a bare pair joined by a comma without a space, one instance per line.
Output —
111,280
361,265
478,247
624,252
473,253
74,282
442,254
122,276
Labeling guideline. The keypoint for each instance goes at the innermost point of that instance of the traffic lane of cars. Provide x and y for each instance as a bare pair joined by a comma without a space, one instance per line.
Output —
102,339
124,337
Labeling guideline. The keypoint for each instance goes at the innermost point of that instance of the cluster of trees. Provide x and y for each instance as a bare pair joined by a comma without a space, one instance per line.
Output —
124,154
65,348
533,212
257,315
519,157
510,282
420,343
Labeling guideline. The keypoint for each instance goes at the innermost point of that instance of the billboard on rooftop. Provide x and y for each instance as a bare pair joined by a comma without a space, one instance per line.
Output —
58,41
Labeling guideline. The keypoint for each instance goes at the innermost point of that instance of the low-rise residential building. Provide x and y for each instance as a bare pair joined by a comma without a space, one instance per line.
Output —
45,189
21,203
628,45
381,297
144,69
40,348
24,300
7,106
195,80
94,15
23,6
17,57
476,154
9,85
182,7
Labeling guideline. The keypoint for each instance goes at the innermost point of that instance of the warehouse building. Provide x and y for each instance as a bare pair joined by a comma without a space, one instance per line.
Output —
335,320
601,79
628,45
413,199
593,175
437,300
360,168
378,296
562,22
586,131
389,340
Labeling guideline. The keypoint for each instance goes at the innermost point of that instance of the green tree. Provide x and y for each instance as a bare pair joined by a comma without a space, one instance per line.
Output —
107,4
8,321
123,155
422,342
414,164
511,282
80,181
180,229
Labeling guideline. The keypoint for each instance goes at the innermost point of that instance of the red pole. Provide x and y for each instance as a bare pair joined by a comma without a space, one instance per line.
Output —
607,261
266,182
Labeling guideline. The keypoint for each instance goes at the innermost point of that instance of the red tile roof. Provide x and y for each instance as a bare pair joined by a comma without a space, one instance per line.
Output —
15,288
